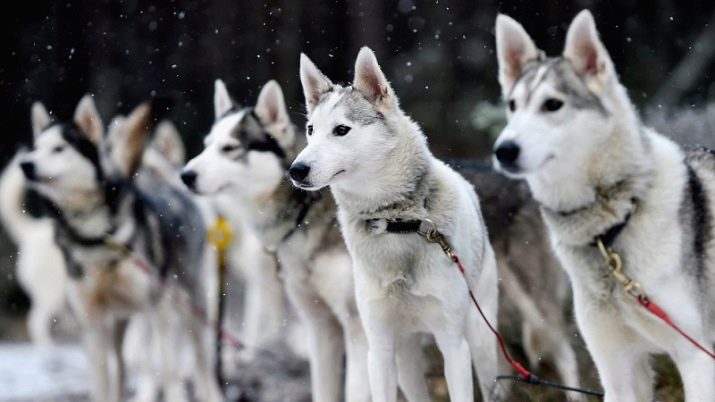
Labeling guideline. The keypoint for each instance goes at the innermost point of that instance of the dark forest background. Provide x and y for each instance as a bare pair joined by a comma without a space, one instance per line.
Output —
439,55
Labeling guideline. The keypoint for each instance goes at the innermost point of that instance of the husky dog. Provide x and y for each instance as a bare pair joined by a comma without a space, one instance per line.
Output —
383,177
531,279
246,157
87,182
600,175
40,265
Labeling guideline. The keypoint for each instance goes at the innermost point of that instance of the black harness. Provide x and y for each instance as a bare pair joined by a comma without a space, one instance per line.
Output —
306,200
608,237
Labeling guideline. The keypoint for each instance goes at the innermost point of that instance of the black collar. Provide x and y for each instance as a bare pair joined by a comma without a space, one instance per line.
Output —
608,237
398,226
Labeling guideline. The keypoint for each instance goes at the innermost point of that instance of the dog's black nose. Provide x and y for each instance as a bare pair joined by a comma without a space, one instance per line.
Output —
28,168
507,152
189,178
299,171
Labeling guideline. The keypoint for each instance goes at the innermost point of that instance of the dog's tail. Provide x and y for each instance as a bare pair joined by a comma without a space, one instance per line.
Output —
12,194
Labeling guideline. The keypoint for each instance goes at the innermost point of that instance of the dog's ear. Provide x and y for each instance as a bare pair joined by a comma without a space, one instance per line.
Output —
222,100
314,82
515,50
133,134
271,107
371,82
167,141
87,119
586,52
40,118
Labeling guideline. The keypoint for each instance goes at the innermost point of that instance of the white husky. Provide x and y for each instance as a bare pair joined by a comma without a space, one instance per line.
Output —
388,186
573,134
245,160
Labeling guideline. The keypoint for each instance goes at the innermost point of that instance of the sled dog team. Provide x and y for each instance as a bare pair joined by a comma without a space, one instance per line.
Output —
127,232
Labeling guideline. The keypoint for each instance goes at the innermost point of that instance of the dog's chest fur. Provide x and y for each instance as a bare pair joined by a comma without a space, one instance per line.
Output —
666,246
119,289
403,266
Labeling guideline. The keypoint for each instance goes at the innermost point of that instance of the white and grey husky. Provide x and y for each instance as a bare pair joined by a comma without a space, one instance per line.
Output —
40,267
600,175
389,187
87,181
246,158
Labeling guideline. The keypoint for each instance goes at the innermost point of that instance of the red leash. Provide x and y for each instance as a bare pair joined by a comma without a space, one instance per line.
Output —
658,312
614,264
526,374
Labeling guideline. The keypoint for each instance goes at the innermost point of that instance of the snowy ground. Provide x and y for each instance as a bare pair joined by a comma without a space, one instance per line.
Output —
26,374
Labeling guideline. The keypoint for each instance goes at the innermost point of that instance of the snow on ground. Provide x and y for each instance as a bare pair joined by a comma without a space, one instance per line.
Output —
26,374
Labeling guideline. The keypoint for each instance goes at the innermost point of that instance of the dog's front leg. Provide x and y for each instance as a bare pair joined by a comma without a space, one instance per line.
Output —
623,366
168,337
263,310
697,371
381,336
411,367
118,331
97,340
382,367
356,356
325,341
457,363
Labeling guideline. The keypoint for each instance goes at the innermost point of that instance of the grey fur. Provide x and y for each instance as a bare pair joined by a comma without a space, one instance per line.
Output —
565,80
358,109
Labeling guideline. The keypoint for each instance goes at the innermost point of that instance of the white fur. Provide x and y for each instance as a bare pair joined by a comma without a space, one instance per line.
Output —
218,178
105,298
40,267
319,285
403,284
567,154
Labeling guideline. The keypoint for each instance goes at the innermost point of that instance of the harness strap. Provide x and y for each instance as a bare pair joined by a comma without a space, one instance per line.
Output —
609,236
309,199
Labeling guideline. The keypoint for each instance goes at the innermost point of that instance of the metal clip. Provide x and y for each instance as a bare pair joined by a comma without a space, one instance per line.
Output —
614,265
433,235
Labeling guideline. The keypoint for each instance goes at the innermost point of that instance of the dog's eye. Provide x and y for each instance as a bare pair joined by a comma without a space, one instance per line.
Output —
341,130
229,148
58,149
512,105
310,129
552,105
